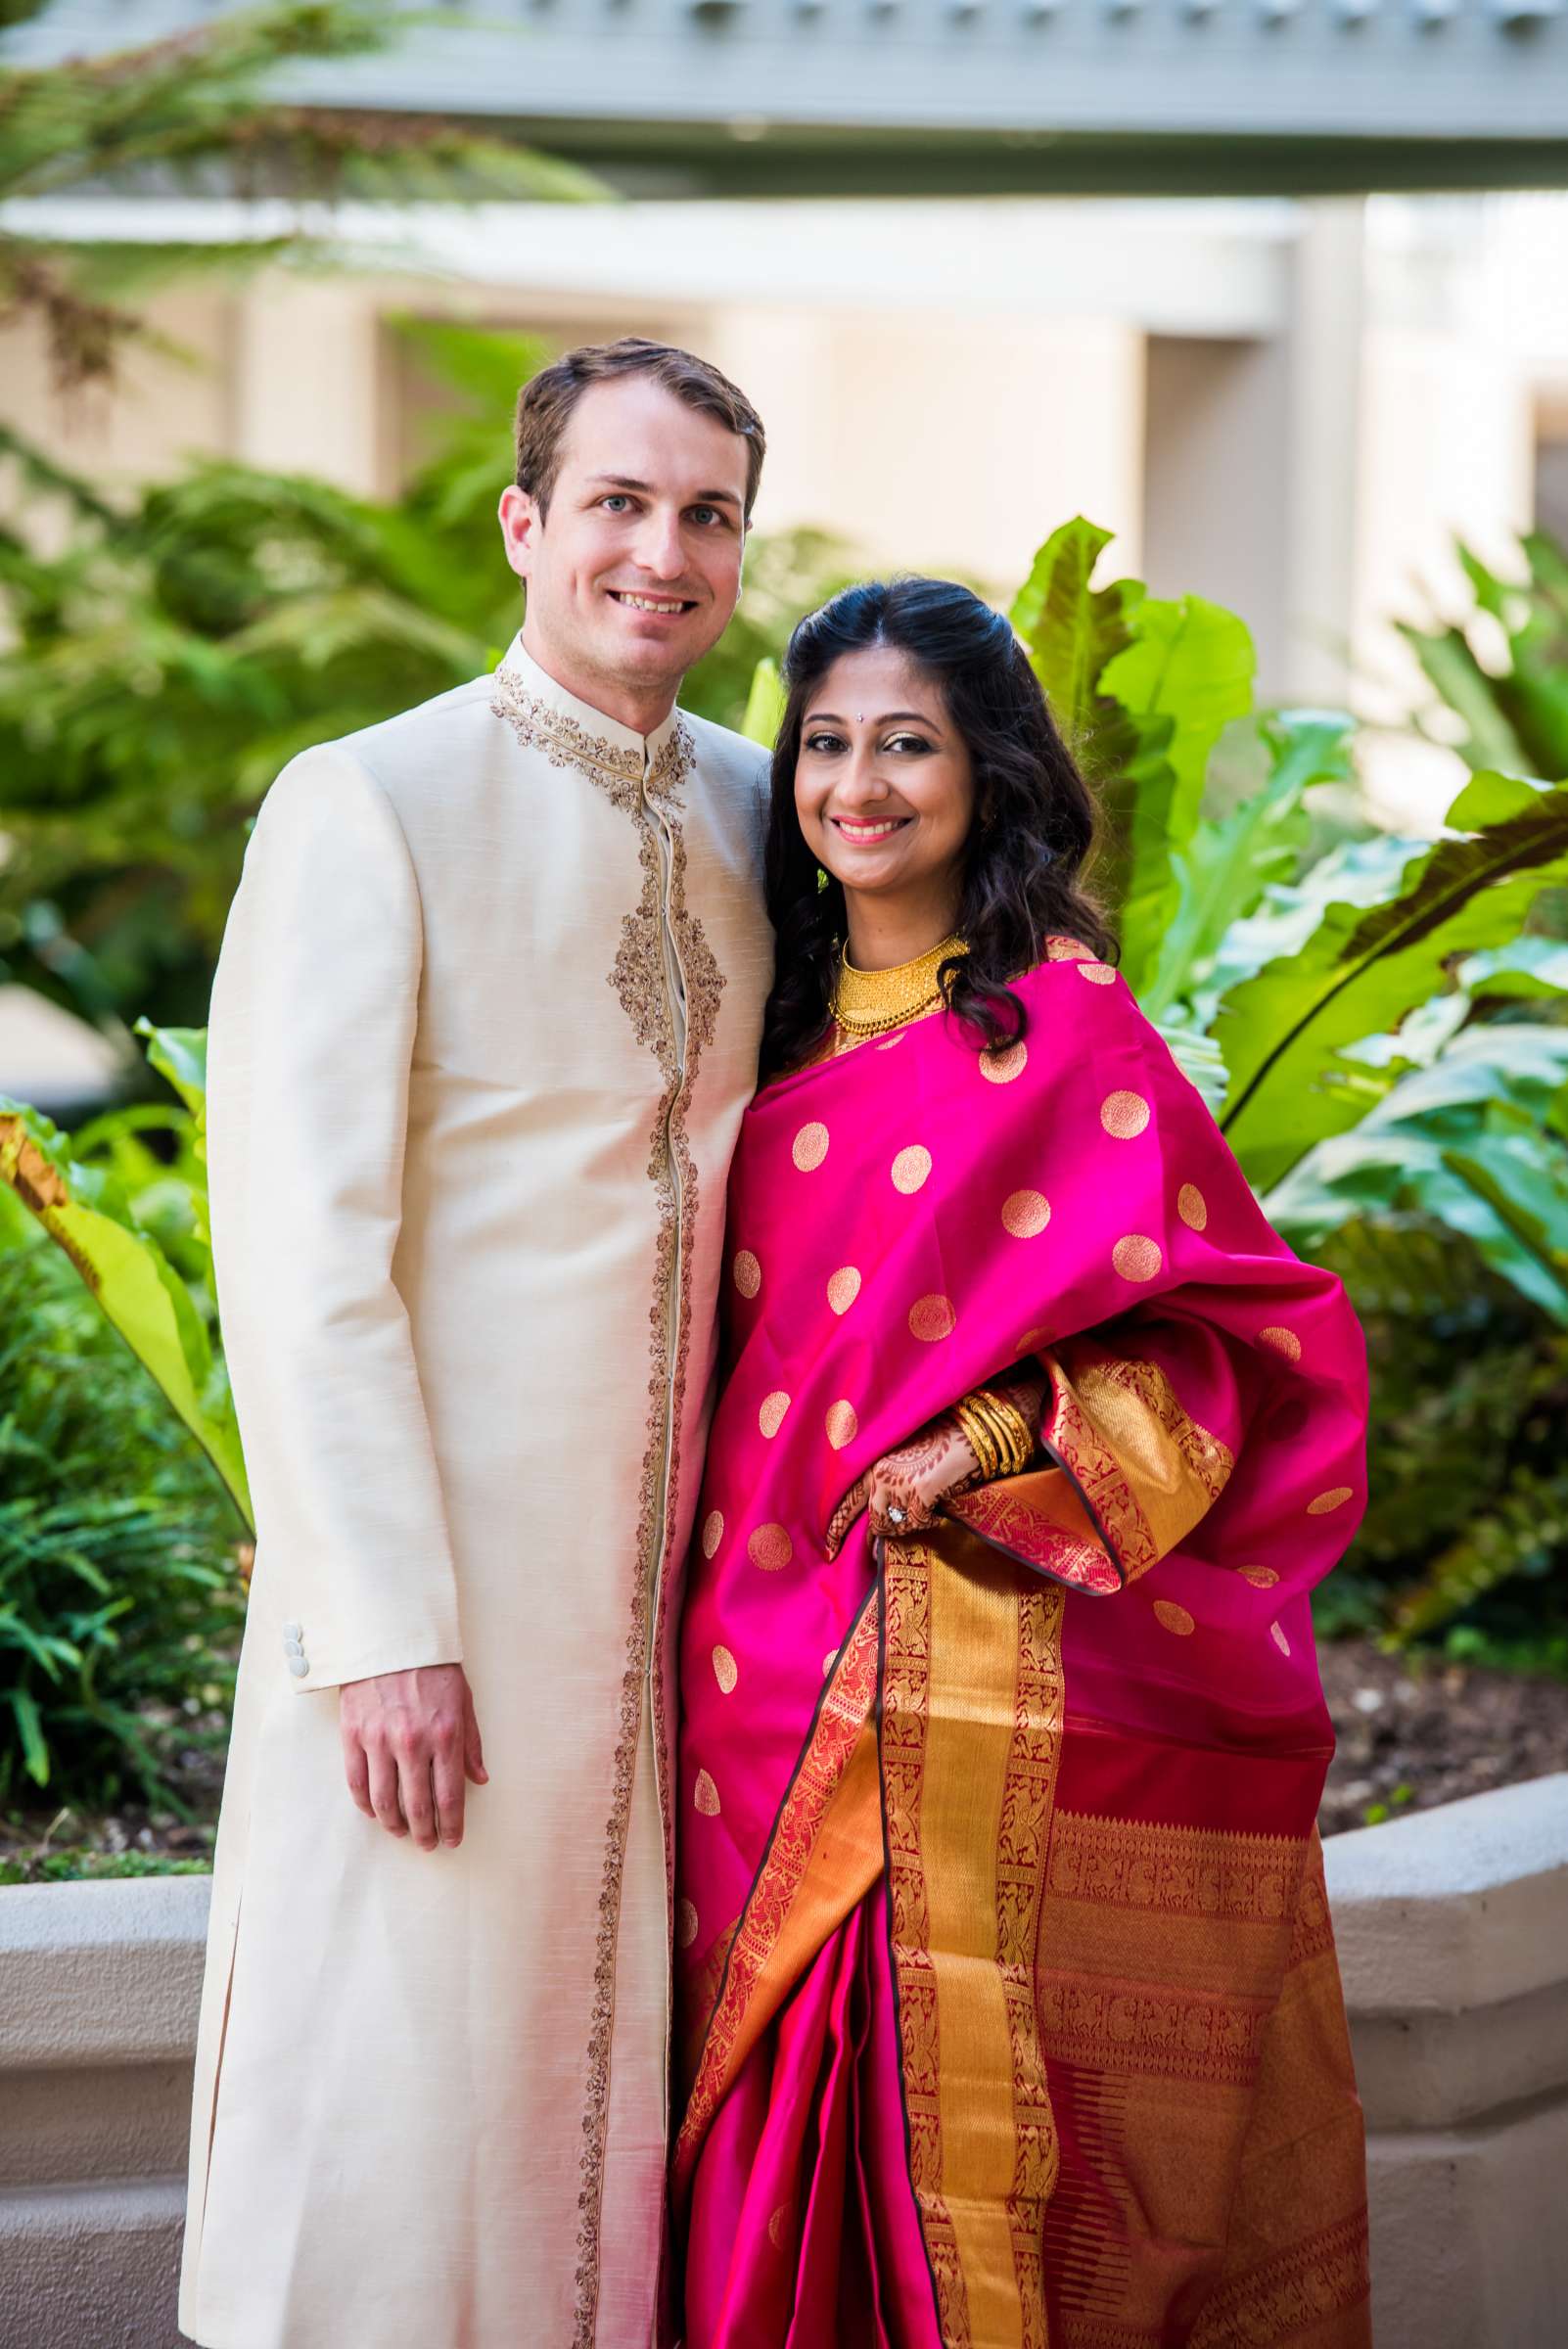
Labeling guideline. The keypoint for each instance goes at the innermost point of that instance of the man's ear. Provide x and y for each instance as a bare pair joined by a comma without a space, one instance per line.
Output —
520,524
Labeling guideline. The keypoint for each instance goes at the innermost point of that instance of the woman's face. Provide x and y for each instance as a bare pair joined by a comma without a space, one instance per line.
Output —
884,788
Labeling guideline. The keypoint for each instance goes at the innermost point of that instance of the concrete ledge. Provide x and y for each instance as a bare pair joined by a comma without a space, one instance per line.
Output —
92,2267
101,1974
1453,1933
1461,1907
1452,1930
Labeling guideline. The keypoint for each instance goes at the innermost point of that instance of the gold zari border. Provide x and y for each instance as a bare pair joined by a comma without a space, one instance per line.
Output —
972,1721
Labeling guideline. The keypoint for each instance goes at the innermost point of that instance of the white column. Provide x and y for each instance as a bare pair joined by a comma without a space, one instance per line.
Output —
1253,463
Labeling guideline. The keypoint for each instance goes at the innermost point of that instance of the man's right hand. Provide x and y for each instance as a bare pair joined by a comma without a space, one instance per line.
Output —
410,1742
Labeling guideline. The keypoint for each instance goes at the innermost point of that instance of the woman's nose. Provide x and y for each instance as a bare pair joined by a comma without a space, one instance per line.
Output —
864,781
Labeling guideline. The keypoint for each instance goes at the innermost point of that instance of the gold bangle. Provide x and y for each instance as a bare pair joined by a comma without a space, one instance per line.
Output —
1015,1442
979,1438
982,1405
982,1441
1023,1439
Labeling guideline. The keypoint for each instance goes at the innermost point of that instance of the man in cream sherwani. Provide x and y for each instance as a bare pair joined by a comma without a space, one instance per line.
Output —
484,1024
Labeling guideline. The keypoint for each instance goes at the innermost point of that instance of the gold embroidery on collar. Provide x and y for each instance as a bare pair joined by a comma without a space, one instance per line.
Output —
618,769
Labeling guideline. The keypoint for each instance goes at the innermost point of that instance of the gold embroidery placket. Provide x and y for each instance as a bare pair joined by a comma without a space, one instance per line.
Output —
667,982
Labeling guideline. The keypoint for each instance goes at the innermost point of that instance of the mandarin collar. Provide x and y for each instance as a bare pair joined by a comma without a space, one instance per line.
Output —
580,717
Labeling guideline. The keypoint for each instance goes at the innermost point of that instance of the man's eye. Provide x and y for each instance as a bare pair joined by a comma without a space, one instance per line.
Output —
706,515
616,501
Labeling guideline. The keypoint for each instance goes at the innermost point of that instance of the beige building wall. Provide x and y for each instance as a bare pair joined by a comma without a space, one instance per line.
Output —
1355,385
942,442
174,397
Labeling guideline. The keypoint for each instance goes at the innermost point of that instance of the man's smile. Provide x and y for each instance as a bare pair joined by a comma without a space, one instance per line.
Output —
672,605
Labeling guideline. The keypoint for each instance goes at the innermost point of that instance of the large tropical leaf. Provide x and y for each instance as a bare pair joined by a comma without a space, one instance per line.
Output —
765,705
1525,966
1362,969
1187,674
130,1278
1071,629
1466,1143
1231,860
1514,714
1525,1183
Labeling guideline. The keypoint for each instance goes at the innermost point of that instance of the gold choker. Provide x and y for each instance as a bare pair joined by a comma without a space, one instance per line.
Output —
870,1002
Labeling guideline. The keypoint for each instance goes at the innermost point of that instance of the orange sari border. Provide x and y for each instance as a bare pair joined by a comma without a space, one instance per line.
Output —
824,1854
1133,1472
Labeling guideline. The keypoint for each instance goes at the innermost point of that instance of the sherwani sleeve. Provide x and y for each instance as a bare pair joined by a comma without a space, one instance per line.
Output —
310,1046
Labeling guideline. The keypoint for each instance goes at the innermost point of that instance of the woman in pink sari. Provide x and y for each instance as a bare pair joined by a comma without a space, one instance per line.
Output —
1010,2012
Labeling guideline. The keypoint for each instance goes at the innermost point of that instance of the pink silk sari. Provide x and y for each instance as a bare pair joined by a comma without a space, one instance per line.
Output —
1009,2007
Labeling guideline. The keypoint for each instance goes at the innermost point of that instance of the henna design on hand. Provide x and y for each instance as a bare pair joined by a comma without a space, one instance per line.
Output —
916,1478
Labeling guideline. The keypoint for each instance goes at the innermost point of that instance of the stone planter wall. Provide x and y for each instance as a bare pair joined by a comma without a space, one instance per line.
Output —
1454,1940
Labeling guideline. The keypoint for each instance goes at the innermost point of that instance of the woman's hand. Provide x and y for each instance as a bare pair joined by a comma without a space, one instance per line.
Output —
904,1490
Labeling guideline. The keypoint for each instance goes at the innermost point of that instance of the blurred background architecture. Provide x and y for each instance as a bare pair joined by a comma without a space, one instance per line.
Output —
1289,397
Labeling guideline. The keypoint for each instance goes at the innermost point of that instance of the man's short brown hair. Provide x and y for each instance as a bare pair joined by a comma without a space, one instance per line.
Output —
545,404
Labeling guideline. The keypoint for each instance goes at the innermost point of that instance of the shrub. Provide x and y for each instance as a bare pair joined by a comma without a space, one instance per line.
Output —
121,1605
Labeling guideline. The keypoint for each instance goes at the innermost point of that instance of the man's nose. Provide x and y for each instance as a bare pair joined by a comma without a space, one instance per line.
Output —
660,551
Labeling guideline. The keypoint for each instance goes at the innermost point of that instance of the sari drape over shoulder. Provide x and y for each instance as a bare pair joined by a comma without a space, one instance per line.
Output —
1010,2012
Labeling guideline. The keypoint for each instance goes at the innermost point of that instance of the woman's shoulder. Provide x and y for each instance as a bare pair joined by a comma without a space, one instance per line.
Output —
1059,948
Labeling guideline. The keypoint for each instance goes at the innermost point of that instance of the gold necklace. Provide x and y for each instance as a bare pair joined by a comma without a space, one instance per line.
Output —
870,1002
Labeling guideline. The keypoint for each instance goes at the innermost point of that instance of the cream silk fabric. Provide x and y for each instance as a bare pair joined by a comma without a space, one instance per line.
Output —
484,1024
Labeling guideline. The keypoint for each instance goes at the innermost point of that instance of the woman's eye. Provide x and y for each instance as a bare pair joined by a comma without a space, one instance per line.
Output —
906,742
824,742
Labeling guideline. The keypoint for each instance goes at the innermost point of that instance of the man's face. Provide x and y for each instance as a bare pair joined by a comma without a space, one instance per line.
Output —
635,572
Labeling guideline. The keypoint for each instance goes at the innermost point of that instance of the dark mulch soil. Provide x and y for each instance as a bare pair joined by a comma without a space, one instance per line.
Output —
1409,1737
52,1844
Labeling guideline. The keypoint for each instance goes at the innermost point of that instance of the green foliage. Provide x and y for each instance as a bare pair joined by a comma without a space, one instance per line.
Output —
765,705
1468,1496
1380,1023
1185,674
120,1605
1362,971
194,110
1074,631
168,662
1513,713
1382,1035
134,1226
72,1864
786,577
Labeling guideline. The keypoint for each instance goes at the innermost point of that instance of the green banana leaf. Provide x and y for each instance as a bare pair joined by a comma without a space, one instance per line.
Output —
1515,718
83,1211
1230,861
1186,675
765,705
1526,1187
1466,1143
1526,966
1072,631
1364,968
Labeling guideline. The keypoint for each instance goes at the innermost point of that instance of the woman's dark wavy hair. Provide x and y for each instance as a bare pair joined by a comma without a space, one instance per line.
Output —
1033,829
